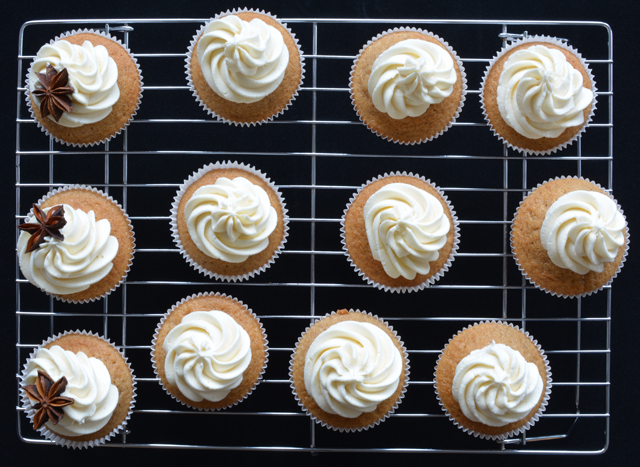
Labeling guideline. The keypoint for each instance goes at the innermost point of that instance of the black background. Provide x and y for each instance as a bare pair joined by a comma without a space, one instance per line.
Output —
622,16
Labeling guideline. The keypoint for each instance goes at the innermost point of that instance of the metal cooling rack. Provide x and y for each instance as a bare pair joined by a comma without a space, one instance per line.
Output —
467,162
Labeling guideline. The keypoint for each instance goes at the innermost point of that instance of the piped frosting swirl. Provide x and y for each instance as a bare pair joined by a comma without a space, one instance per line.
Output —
406,228
207,354
410,76
496,386
540,94
71,265
583,230
242,61
93,75
231,219
351,367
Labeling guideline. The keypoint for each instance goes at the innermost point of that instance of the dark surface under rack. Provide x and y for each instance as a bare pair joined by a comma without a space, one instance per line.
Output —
318,154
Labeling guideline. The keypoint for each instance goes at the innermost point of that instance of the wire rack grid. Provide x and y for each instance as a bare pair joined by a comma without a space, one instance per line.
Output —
319,154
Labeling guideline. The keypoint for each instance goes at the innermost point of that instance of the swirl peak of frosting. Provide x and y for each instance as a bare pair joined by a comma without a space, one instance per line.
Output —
540,94
406,228
207,354
93,75
410,76
351,367
71,265
496,386
88,384
231,219
242,61
583,230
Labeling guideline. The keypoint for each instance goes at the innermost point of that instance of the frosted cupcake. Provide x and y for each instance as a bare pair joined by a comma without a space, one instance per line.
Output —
78,390
349,371
493,380
400,232
538,95
407,85
209,351
569,237
83,88
76,244
229,221
244,67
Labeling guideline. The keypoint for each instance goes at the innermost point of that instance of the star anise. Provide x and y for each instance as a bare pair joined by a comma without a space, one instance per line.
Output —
49,225
54,92
50,402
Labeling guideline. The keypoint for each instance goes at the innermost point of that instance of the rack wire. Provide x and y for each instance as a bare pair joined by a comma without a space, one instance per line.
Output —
318,154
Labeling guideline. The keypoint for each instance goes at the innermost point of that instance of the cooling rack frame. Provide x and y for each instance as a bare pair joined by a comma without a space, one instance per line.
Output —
315,52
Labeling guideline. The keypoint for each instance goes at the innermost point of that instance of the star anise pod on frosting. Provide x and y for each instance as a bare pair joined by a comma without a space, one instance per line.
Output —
48,225
54,92
47,393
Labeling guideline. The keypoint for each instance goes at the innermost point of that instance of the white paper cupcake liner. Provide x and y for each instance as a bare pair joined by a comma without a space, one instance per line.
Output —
565,46
463,76
585,294
44,430
174,220
133,240
405,383
191,49
154,342
28,87
431,280
526,426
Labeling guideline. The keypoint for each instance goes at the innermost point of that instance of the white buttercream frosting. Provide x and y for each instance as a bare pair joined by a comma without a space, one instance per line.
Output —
496,386
406,228
410,76
71,265
207,353
93,75
582,231
351,367
231,219
540,94
242,61
88,384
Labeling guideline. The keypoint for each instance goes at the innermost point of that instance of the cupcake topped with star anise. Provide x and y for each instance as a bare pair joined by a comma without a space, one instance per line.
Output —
76,244
83,88
77,389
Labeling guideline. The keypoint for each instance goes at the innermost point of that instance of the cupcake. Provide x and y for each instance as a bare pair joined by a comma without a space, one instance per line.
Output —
407,85
209,351
77,389
83,88
349,371
400,232
229,221
244,67
538,95
76,244
493,380
569,237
